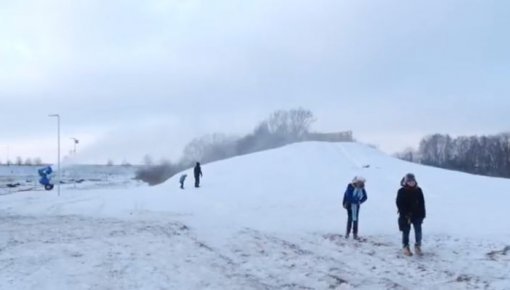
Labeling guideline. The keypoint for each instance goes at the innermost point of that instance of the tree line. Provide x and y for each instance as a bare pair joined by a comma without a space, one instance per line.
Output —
484,155
19,161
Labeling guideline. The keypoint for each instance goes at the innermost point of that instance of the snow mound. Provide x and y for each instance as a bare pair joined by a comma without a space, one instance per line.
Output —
300,187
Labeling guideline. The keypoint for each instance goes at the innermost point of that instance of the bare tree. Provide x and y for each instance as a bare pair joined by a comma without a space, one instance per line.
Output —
209,148
291,125
409,154
488,155
156,174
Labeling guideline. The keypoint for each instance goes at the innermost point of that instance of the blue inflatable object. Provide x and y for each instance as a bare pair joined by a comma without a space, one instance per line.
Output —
45,179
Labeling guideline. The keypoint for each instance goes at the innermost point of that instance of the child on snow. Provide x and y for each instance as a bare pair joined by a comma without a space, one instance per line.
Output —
354,196
182,179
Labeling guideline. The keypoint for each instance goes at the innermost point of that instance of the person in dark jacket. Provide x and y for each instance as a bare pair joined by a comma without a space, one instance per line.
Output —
411,209
354,196
198,173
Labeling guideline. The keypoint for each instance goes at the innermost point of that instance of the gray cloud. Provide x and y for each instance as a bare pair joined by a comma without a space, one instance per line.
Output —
127,72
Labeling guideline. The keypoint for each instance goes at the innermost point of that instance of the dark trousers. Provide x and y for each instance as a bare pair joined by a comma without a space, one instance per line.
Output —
197,181
182,185
350,223
405,227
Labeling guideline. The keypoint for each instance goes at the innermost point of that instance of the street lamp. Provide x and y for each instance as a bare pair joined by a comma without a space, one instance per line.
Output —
58,153
75,141
73,153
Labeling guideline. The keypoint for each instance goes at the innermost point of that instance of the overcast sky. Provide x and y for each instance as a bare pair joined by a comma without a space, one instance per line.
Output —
132,77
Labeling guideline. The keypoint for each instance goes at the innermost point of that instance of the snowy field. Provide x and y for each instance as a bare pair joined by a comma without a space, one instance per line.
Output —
16,178
270,220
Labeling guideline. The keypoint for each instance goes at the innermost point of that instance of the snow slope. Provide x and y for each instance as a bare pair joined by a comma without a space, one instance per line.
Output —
270,220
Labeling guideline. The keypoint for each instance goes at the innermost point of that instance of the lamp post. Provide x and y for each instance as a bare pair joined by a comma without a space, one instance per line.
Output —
58,153
75,174
75,141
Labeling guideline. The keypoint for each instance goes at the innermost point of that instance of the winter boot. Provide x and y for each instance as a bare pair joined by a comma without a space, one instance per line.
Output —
417,250
407,251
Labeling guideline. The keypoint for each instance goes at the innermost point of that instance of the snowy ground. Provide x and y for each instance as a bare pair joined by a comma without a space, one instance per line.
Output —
16,178
270,220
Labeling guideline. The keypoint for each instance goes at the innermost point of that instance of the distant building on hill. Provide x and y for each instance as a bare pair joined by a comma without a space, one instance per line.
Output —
345,136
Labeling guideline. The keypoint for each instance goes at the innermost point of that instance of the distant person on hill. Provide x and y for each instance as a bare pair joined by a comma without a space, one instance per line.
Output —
411,209
354,196
182,179
198,173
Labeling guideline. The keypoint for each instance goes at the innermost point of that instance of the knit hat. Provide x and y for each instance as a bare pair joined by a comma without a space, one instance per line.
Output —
358,179
409,177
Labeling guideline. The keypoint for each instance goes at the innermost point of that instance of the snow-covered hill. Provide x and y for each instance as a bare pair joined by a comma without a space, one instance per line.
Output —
270,220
